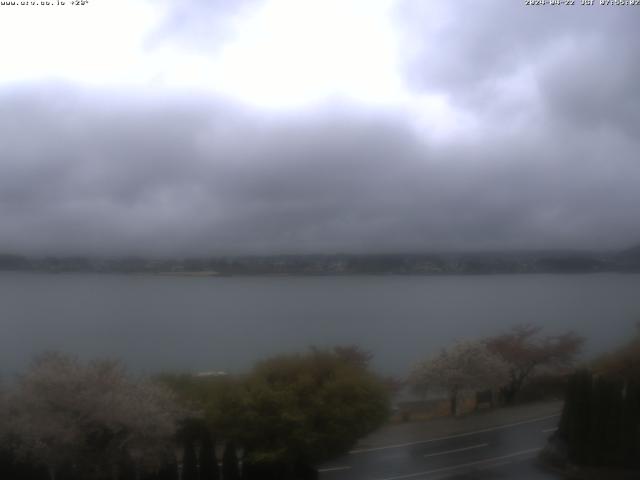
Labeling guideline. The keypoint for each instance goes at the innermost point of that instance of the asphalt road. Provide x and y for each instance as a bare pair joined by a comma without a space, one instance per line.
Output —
504,452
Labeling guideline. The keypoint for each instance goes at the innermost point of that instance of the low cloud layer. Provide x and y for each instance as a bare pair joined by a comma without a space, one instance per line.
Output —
546,156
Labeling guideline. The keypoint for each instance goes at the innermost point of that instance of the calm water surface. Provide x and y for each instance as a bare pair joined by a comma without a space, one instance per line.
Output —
155,323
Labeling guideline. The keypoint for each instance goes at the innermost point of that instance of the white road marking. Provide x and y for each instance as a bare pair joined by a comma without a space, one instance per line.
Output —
332,469
443,476
457,450
463,465
459,435
547,430
495,464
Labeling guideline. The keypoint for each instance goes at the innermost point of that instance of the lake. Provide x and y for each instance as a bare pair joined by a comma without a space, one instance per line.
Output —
155,323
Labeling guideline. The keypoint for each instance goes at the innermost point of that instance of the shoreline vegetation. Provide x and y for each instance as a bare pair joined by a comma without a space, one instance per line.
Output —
292,412
69,419
512,262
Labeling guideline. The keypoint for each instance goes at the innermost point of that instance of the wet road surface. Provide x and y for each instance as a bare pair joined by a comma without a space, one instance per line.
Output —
504,452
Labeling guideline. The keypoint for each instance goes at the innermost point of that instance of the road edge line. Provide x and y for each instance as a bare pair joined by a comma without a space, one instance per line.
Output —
457,435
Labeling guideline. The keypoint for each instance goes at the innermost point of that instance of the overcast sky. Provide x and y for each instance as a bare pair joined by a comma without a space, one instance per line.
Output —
196,127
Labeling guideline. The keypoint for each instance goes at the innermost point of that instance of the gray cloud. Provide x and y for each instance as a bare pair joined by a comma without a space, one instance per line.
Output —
199,24
178,177
555,164
580,62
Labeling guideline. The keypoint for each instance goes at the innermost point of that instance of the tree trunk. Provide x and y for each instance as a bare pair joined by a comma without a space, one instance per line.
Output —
454,403
508,394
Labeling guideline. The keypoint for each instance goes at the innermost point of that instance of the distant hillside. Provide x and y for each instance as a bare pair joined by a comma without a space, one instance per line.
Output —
632,252
343,264
629,259
13,262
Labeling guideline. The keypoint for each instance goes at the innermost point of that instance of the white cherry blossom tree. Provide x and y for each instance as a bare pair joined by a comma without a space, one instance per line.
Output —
91,416
466,366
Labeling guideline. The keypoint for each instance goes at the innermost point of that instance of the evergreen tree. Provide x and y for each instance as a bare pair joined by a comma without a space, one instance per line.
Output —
168,471
6,464
208,460
630,436
574,424
306,472
189,462
230,470
265,471
128,469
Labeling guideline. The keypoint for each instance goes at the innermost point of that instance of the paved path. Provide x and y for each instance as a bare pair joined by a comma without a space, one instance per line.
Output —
500,444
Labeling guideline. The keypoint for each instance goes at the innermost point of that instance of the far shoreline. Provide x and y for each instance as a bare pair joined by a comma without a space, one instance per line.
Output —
196,274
